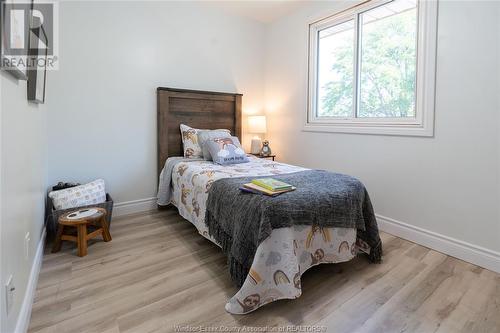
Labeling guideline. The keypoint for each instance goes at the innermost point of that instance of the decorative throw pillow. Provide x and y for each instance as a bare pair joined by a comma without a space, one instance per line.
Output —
82,195
226,151
204,136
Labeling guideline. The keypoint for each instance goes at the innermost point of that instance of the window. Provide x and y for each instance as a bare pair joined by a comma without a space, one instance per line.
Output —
372,69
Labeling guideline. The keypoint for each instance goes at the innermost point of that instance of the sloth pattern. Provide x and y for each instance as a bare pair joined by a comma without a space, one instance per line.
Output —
344,246
196,206
353,249
184,194
190,135
209,173
181,169
280,277
317,256
250,302
325,233
209,185
195,203
189,152
223,142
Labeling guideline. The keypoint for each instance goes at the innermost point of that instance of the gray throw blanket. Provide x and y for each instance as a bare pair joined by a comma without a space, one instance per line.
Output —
240,221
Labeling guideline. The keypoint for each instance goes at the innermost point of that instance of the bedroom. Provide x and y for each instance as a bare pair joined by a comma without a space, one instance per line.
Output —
433,177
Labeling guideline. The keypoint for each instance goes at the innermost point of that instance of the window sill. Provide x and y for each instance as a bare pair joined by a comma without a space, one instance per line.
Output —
397,130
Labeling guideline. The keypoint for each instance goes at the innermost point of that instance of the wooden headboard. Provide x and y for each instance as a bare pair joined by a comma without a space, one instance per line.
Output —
198,109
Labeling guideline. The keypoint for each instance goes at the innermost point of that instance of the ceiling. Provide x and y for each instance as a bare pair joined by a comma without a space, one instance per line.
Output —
261,10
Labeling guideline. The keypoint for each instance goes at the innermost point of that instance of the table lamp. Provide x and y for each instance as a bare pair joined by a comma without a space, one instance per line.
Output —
256,125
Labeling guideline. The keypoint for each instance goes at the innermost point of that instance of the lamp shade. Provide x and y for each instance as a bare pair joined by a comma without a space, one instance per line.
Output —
257,124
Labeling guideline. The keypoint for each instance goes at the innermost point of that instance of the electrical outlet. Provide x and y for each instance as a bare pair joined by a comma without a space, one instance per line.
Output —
27,240
9,294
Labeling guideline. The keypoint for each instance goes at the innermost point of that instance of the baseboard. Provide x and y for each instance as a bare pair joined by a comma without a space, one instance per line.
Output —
134,206
456,248
23,320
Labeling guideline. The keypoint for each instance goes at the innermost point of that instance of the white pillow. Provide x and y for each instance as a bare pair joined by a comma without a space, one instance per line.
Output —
192,148
82,195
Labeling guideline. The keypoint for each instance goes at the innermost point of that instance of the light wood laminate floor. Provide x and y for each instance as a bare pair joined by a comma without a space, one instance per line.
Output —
158,272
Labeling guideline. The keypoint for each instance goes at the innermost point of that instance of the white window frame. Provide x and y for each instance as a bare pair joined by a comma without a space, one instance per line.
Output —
423,122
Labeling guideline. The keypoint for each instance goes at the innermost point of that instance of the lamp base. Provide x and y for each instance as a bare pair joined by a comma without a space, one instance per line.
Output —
256,146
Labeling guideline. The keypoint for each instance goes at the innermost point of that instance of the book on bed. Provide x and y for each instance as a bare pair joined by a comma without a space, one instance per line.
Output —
254,188
272,184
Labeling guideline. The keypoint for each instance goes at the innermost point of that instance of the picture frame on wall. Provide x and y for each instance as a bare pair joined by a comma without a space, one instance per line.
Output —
37,76
13,38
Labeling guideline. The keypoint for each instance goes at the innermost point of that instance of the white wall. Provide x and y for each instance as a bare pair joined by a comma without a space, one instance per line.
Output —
113,56
101,109
448,184
23,184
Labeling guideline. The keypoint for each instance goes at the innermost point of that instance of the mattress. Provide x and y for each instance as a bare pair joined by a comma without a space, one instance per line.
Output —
284,256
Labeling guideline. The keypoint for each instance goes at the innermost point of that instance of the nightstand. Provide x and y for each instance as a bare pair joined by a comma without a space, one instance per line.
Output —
259,156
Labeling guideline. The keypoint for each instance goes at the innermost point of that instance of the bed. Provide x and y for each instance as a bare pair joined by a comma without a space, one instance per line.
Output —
287,252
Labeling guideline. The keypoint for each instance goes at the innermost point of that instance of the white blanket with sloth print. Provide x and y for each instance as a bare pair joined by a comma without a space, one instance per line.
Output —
283,257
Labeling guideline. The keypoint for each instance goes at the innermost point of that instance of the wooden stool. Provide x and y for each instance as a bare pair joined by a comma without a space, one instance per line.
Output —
98,219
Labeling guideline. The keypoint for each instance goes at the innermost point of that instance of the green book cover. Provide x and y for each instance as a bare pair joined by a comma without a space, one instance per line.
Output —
271,184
